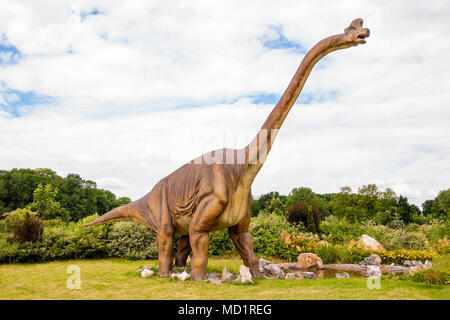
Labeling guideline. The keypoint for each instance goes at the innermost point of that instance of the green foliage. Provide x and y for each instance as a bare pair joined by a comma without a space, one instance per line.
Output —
78,196
332,254
341,230
221,244
266,231
45,204
131,241
263,202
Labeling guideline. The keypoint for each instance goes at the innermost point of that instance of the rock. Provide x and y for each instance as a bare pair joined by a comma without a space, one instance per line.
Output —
182,276
407,264
342,275
292,276
146,273
392,264
309,275
309,260
274,270
262,264
372,260
214,278
372,271
227,276
418,264
244,274
371,243
428,264
144,268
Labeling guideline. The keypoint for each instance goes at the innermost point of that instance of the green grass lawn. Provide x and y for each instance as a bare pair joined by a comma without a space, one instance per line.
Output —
117,279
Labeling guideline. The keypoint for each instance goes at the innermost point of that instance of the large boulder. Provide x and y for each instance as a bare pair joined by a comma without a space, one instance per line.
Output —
370,243
309,260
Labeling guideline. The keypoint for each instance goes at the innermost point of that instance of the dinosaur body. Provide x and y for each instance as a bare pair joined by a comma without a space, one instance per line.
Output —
213,191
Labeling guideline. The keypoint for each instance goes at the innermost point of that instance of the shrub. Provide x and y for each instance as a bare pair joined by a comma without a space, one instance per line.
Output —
220,243
340,230
431,277
297,212
267,230
332,254
131,241
27,230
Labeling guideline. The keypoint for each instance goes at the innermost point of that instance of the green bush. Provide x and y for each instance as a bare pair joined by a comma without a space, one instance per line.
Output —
266,231
220,244
341,230
131,241
332,254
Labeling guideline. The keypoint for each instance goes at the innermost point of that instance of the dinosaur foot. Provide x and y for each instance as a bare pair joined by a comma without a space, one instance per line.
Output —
199,276
257,274
164,274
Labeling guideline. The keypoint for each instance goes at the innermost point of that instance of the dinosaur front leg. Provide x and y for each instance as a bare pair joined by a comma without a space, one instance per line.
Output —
243,242
184,249
165,250
204,217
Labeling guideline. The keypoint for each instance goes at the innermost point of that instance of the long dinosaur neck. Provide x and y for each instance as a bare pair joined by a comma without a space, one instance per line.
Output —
260,146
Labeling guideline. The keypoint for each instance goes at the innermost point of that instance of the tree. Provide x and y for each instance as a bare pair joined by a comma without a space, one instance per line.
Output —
404,211
46,206
426,207
310,224
275,206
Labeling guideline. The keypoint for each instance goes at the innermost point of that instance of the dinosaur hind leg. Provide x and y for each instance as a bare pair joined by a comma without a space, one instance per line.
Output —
204,218
184,249
243,242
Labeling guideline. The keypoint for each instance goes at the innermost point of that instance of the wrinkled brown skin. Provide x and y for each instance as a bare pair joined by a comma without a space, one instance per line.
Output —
204,196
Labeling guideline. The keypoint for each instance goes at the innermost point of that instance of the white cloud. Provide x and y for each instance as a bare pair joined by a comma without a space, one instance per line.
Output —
109,73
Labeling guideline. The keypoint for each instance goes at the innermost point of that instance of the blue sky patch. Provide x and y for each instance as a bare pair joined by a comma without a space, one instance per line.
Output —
15,100
8,54
93,12
275,39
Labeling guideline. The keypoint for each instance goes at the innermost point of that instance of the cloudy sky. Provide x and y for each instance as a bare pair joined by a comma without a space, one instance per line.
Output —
125,92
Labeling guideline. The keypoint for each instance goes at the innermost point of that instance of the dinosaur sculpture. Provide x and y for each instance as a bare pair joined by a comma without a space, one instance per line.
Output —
213,191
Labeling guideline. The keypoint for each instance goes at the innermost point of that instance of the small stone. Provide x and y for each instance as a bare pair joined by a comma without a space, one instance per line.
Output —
372,271
392,264
309,275
227,276
182,276
428,264
418,264
262,264
274,270
342,275
245,275
407,264
146,273
292,276
372,260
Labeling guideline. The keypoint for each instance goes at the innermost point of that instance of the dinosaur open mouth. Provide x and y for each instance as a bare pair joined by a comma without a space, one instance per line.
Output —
363,35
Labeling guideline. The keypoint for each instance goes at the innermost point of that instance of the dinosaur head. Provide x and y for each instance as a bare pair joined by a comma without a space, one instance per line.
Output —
355,34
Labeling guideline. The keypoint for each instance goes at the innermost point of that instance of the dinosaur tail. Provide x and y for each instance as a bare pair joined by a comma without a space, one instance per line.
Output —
128,212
